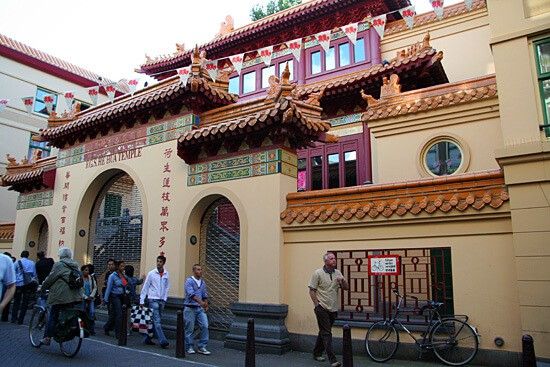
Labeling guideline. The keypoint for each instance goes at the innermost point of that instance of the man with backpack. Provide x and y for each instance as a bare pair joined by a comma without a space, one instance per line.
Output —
64,283
25,285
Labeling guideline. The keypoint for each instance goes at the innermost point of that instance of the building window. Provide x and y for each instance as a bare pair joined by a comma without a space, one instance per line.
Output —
113,205
542,54
282,66
249,82
316,62
39,105
234,85
342,164
359,50
266,73
443,158
38,149
330,59
343,50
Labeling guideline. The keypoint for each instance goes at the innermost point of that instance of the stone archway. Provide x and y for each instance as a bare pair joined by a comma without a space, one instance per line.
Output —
37,236
219,250
110,222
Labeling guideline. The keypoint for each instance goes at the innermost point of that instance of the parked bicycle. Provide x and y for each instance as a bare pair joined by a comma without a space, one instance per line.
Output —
452,340
69,331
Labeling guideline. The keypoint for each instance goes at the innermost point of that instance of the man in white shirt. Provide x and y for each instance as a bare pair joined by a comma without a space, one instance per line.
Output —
7,281
155,289
23,291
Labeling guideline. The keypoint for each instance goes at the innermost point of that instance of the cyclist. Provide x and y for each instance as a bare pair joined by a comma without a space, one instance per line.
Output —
61,295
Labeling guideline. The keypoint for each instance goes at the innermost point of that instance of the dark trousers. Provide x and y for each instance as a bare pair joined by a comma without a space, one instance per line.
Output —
20,304
115,314
325,320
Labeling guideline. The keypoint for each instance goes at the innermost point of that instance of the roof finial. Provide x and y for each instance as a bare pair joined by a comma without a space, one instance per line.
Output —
285,76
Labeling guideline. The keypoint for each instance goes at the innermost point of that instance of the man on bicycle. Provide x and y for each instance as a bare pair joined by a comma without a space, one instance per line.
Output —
61,295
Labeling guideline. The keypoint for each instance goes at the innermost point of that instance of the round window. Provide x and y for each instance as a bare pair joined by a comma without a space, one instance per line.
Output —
443,158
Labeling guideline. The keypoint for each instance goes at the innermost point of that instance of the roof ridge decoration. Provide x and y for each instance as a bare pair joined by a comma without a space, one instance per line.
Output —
443,194
29,175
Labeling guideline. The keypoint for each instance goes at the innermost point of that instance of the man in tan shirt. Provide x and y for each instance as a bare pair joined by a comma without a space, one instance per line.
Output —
323,290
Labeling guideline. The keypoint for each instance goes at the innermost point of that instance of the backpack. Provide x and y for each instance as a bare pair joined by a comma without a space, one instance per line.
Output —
28,279
75,278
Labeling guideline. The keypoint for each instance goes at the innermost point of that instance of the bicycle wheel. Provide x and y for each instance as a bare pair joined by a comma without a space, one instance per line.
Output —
37,325
70,348
382,341
454,342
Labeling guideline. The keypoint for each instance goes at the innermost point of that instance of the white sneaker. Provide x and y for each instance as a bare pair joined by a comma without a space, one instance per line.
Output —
190,351
204,351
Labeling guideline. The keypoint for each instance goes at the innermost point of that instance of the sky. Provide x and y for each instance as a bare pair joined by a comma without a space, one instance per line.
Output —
112,37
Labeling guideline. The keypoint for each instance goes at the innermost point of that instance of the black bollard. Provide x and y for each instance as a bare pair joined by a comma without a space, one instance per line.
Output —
123,336
528,352
347,352
250,359
180,344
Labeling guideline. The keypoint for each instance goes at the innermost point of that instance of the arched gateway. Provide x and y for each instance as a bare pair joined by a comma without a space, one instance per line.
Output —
219,257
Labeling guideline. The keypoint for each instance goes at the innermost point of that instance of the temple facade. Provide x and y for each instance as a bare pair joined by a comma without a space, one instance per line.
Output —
399,147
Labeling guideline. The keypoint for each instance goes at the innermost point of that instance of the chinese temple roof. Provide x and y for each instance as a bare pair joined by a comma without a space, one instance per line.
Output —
279,117
299,21
438,96
7,231
428,196
422,61
199,93
35,58
26,176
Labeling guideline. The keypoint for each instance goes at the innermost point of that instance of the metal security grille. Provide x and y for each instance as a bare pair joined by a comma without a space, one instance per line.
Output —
116,225
425,273
219,257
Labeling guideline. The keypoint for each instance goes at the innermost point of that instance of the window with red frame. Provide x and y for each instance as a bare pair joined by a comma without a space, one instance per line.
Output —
343,164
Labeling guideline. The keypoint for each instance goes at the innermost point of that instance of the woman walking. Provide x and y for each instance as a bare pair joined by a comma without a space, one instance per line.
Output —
115,294
89,290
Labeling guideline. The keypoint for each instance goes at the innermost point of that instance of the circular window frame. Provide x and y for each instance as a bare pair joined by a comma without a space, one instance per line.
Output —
459,142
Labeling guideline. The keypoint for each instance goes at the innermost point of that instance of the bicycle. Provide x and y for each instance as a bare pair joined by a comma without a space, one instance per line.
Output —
453,341
69,331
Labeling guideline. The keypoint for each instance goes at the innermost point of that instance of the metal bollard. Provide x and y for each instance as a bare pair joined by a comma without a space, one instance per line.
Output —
250,356
528,351
123,335
347,359
180,339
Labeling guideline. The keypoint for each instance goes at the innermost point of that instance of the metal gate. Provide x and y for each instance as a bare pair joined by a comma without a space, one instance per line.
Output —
219,258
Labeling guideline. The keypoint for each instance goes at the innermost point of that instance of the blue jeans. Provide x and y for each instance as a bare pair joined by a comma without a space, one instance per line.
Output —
190,314
157,306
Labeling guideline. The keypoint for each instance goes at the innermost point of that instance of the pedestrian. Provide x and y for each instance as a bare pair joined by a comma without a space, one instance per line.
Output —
115,296
23,291
43,266
6,311
195,307
110,269
89,290
61,294
323,290
133,282
155,289
7,281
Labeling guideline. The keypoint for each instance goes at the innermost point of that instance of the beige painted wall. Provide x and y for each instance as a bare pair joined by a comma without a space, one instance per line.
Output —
258,201
484,286
464,41
525,157
398,141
